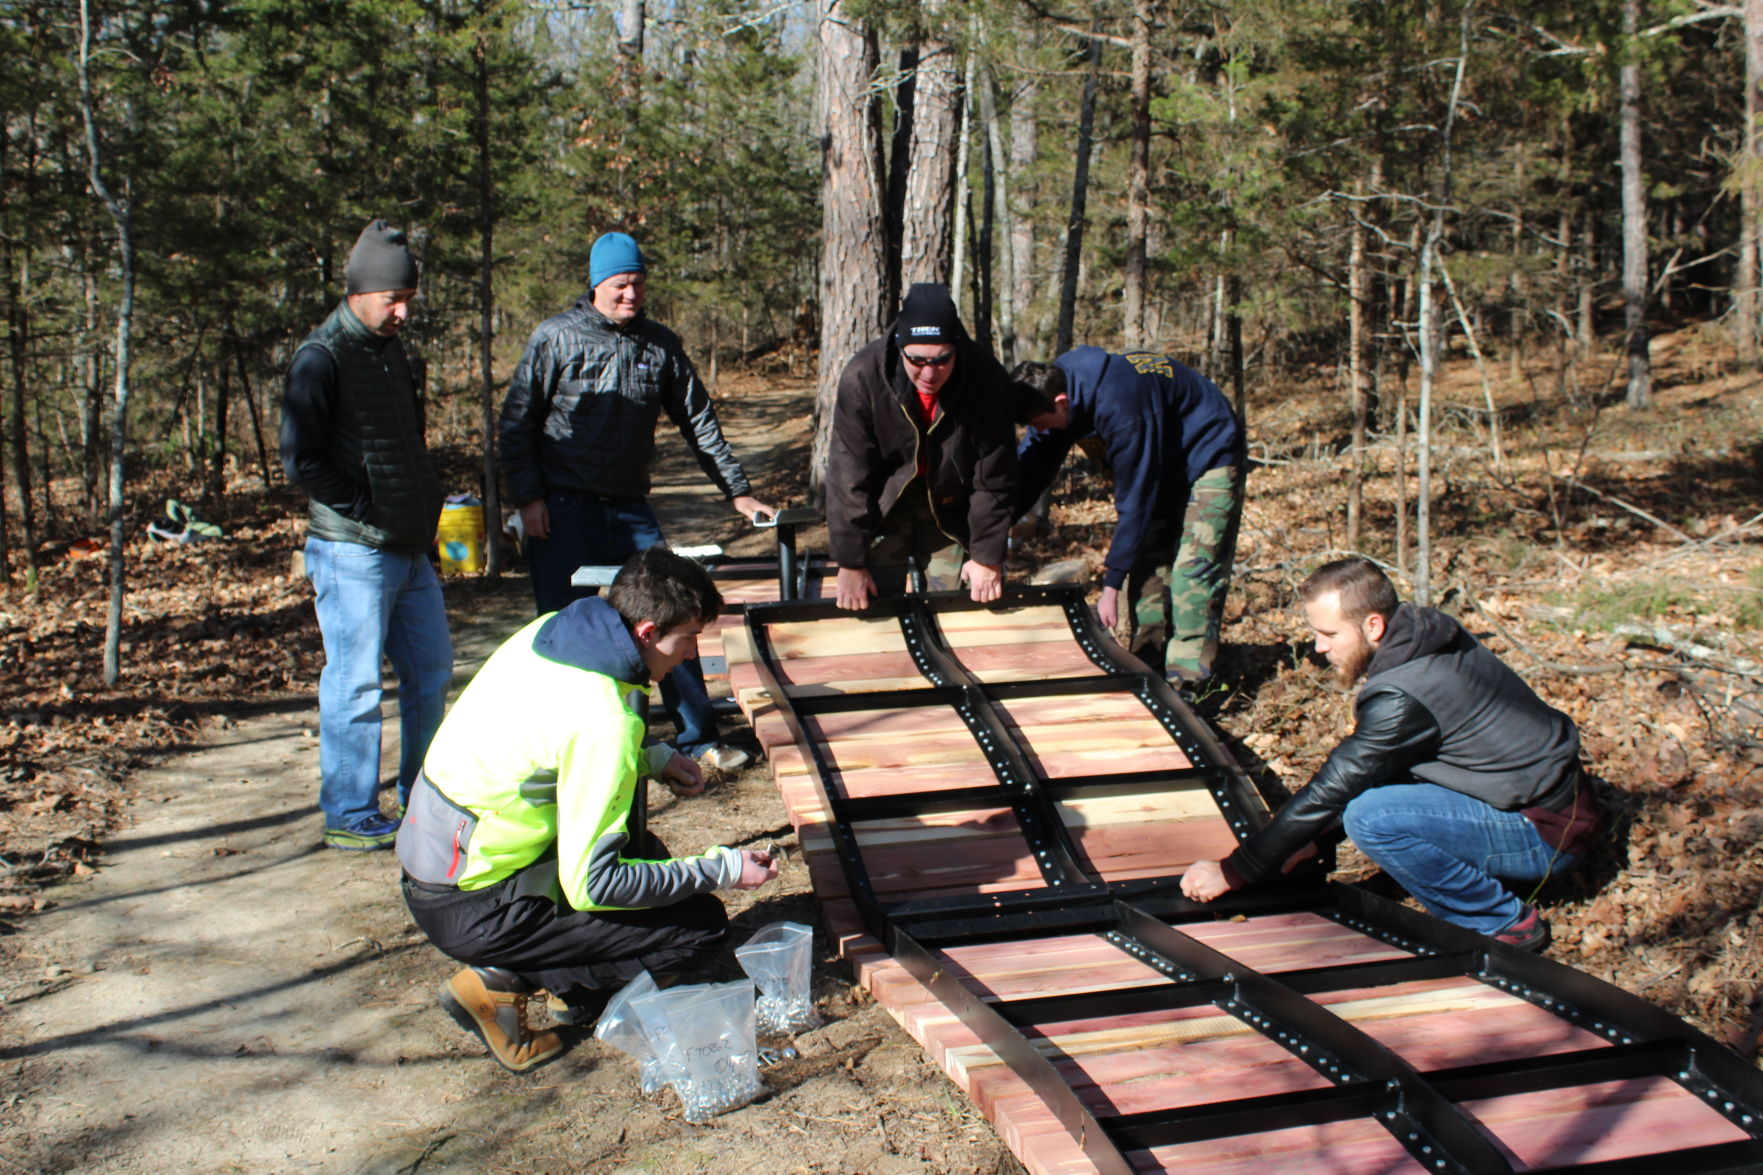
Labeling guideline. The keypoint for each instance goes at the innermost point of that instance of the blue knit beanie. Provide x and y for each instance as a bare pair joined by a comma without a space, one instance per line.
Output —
613,254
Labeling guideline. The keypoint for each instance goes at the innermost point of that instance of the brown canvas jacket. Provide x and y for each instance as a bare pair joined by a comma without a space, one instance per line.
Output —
970,452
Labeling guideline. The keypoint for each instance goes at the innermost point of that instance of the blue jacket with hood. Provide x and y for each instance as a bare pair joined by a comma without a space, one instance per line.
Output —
535,769
1162,425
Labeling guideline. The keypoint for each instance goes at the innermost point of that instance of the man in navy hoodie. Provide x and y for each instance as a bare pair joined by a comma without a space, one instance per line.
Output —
1175,449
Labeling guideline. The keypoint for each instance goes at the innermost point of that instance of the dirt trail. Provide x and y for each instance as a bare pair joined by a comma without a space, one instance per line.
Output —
226,995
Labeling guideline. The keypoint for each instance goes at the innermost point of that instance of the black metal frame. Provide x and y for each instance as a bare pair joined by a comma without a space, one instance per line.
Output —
1144,919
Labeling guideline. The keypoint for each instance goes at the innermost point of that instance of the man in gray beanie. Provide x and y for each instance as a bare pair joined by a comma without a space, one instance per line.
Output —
352,439
577,436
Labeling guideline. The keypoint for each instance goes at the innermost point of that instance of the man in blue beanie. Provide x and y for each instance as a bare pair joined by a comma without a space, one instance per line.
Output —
577,436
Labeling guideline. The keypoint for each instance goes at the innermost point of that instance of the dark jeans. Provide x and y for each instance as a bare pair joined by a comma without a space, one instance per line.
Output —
1450,851
576,955
587,531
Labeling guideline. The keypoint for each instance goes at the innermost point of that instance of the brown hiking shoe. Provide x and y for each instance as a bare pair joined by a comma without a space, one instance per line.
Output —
483,1002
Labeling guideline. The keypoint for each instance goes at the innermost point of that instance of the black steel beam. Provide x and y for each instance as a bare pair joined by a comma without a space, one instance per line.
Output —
1016,1051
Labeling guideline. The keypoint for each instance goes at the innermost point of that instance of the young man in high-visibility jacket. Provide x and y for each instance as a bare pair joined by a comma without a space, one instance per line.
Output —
517,846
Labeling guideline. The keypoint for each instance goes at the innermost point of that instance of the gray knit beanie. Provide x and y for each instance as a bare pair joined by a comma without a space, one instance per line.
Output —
381,260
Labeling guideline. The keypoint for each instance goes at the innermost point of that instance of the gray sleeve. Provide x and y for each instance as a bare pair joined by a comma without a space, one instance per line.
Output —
618,882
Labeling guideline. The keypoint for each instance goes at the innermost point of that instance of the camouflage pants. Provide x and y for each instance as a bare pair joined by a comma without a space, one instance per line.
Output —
1177,591
910,531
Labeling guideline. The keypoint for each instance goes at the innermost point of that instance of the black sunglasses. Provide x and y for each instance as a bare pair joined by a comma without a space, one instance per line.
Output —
929,361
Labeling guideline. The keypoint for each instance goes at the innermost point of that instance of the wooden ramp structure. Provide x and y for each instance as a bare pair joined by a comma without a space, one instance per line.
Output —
997,803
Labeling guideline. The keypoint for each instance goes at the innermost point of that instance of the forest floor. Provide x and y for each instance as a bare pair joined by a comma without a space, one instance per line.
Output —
188,979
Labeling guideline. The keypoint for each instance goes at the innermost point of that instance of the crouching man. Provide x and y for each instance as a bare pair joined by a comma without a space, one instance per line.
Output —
517,847
1456,776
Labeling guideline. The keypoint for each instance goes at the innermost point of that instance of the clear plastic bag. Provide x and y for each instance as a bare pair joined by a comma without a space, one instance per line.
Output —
704,1037
622,1027
780,958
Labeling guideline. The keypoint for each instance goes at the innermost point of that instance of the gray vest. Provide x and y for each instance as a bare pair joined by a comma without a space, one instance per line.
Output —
377,434
1499,742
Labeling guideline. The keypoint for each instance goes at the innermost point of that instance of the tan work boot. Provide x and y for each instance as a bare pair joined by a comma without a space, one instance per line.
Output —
488,1003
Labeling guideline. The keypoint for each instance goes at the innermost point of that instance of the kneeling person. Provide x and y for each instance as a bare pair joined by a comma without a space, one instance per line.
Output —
517,846
1456,774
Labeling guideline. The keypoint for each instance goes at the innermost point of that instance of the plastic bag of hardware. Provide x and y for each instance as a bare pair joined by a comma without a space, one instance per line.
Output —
622,1027
780,958
709,1051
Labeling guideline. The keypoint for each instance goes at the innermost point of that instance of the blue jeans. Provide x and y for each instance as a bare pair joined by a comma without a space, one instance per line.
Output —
1447,848
590,531
373,605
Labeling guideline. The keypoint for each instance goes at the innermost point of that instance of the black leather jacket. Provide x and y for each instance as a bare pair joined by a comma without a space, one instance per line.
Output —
584,401
1435,707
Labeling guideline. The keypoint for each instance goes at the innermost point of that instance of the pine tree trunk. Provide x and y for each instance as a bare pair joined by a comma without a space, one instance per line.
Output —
222,398
1080,182
958,266
1138,180
852,267
1024,148
250,396
486,222
18,450
91,407
1750,189
1004,306
927,227
899,162
632,19
1634,219
1356,350
125,313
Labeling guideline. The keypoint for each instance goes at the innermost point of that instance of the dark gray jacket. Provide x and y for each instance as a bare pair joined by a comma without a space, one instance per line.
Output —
583,404
1439,708
352,439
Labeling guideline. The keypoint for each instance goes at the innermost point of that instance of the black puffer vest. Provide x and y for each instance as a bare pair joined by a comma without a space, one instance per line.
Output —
377,433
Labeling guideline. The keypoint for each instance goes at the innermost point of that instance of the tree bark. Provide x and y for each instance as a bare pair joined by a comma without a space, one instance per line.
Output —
899,172
1357,287
1024,150
1634,217
486,222
18,449
1138,180
119,214
633,16
852,267
1745,307
1080,182
1006,227
222,398
927,227
963,151
1430,342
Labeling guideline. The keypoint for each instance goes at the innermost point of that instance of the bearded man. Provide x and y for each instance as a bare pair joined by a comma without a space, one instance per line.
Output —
1456,779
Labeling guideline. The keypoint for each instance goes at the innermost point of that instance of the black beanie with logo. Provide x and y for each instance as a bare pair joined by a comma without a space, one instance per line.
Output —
928,315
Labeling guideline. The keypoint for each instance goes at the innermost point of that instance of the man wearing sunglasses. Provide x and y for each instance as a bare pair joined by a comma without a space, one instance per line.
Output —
922,466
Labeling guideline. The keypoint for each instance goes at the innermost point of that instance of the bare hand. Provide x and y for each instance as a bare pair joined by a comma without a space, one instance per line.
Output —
757,868
683,777
536,519
1108,608
1204,881
751,508
854,587
986,583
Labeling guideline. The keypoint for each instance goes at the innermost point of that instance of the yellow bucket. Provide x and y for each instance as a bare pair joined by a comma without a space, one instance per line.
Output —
460,538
